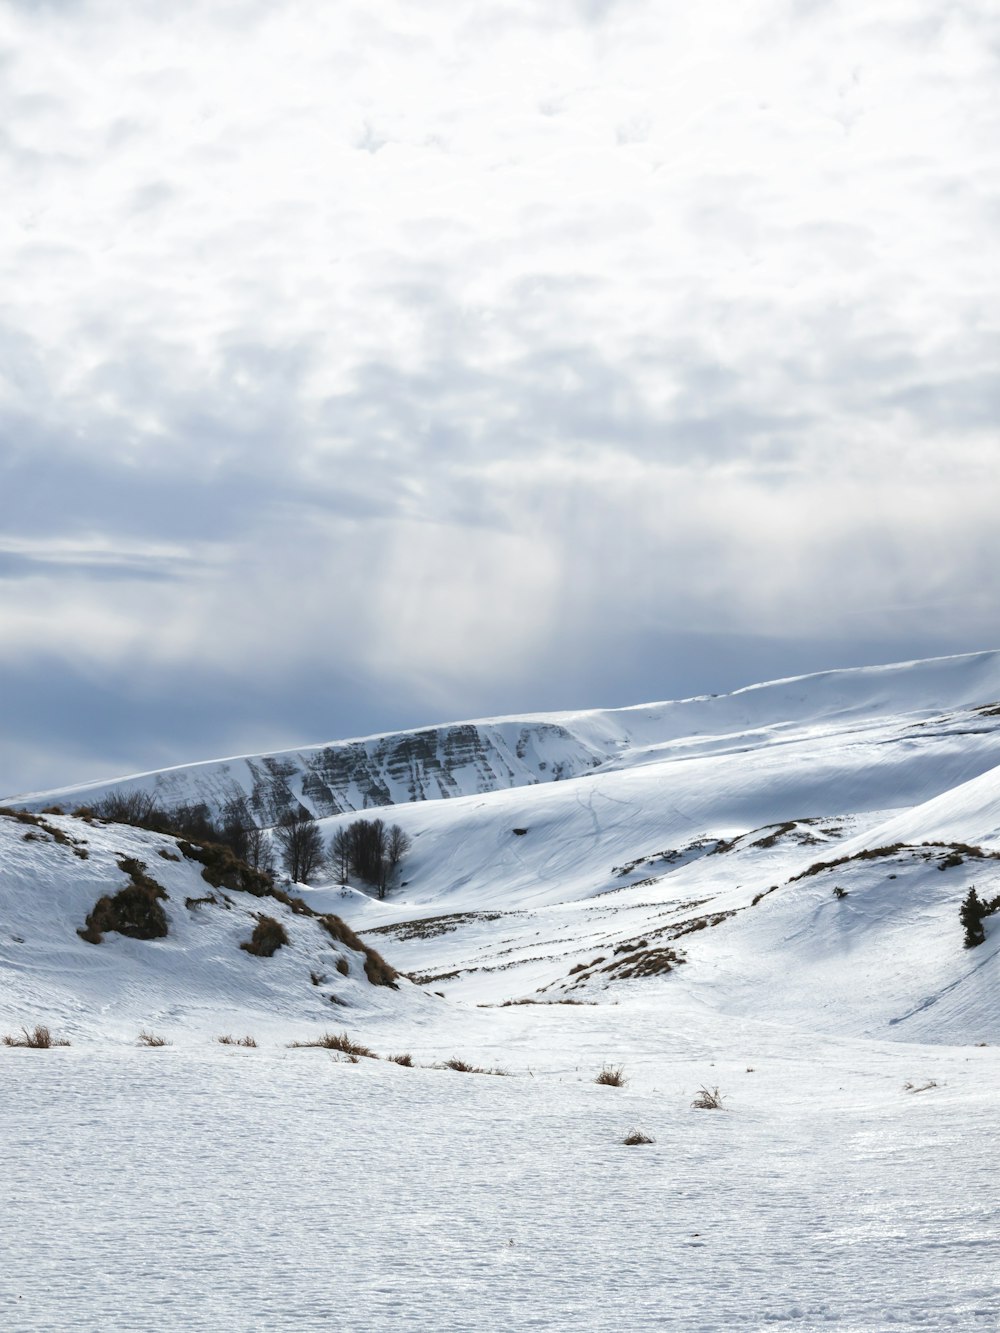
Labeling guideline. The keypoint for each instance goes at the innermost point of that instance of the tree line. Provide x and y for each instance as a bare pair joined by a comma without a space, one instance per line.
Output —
367,849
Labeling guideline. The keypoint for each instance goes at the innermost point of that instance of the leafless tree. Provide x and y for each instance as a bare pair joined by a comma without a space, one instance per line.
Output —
397,845
339,856
301,843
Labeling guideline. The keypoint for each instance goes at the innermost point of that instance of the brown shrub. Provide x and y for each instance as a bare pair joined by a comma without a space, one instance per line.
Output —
338,1041
463,1067
612,1076
236,1041
405,1060
268,936
38,1039
134,911
151,1039
636,1136
377,970
223,869
708,1099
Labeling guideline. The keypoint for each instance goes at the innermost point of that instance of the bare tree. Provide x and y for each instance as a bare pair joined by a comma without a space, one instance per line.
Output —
339,855
370,851
367,849
301,843
397,845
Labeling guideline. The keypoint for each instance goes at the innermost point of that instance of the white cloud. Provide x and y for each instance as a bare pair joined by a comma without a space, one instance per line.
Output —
488,327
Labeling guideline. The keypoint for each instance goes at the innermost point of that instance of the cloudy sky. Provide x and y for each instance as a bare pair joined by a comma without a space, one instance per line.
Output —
364,365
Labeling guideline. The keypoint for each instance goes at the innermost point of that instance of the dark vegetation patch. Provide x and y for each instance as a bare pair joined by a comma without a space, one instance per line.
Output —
37,822
758,896
612,1076
151,1039
585,967
405,1060
634,1137
430,926
236,1041
463,1067
426,978
224,870
337,1041
973,913
702,923
925,849
134,911
39,1038
708,1099
192,903
670,856
267,938
377,970
168,855
645,963
798,830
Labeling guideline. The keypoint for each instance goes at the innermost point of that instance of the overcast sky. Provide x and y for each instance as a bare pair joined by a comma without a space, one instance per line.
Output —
364,365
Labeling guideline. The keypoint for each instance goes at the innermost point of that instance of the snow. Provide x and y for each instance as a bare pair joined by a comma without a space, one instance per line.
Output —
845,1184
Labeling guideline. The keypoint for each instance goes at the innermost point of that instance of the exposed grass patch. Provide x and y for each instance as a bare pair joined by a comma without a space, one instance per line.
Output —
708,1099
612,1076
463,1067
228,1040
405,1060
134,911
908,1086
223,869
267,938
151,1039
635,1137
645,963
39,1038
377,970
337,1041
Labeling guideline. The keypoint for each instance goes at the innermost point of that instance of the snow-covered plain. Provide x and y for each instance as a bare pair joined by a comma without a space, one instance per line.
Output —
680,895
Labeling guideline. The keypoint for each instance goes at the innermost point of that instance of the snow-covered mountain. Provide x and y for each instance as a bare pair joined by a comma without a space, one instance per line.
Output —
672,844
755,896
930,712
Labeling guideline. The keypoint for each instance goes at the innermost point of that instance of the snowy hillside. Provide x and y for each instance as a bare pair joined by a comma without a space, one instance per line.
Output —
187,965
623,912
924,706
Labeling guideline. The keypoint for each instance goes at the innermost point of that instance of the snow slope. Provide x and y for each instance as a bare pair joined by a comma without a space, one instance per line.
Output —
757,893
919,703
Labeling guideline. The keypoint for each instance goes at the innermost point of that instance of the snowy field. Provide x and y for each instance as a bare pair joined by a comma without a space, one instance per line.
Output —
210,1189
673,912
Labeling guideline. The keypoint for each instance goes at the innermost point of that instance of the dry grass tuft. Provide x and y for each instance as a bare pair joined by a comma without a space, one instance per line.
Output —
463,1067
331,1041
612,1076
636,1136
405,1060
151,1039
708,1099
236,1041
38,1039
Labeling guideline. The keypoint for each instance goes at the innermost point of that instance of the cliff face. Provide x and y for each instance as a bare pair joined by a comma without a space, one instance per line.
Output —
463,759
